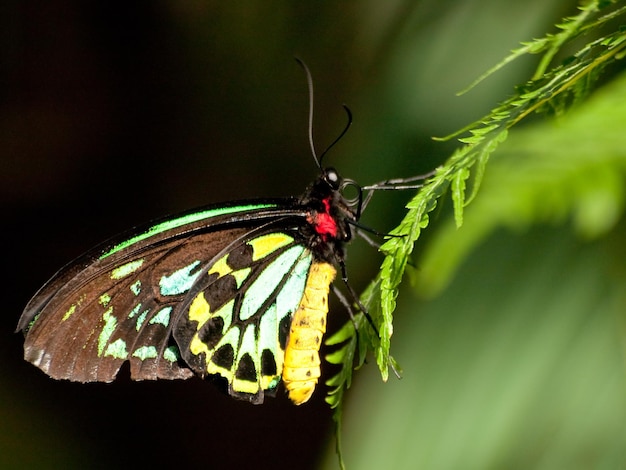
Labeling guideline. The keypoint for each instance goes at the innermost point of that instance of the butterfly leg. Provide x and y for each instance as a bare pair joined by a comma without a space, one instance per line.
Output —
355,297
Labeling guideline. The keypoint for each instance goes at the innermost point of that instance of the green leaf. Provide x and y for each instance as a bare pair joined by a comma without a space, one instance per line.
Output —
458,194
571,170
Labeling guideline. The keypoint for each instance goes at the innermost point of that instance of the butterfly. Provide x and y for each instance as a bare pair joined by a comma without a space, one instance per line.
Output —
237,291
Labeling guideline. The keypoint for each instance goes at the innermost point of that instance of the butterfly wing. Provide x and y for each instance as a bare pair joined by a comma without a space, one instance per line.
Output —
135,300
236,318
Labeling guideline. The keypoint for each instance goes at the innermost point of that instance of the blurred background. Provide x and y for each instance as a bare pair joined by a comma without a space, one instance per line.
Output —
114,113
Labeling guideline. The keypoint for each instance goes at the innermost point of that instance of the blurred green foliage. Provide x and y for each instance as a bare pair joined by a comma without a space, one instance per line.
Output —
518,362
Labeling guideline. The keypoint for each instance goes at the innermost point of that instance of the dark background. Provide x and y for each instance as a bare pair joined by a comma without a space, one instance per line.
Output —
114,113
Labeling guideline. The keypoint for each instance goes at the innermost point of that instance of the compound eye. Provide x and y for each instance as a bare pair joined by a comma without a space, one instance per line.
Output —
333,178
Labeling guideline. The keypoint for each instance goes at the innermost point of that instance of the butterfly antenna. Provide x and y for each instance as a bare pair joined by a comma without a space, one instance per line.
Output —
309,81
345,129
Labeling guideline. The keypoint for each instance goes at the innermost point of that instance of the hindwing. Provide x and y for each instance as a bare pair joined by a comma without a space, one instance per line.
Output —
239,312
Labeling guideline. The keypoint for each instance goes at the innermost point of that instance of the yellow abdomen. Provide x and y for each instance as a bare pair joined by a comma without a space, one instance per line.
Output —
302,360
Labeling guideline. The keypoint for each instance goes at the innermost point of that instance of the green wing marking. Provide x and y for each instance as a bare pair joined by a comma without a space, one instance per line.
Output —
179,222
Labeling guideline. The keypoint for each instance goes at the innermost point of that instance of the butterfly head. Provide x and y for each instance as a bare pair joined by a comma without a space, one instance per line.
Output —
330,213
347,192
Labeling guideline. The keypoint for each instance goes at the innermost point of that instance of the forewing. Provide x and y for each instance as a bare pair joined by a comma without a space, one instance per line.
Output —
118,302
111,313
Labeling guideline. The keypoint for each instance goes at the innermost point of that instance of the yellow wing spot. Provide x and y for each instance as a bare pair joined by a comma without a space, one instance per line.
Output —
266,244
196,346
214,369
220,267
302,361
245,386
200,310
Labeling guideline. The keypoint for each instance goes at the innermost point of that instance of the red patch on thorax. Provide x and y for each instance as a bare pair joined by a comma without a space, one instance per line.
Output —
324,223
